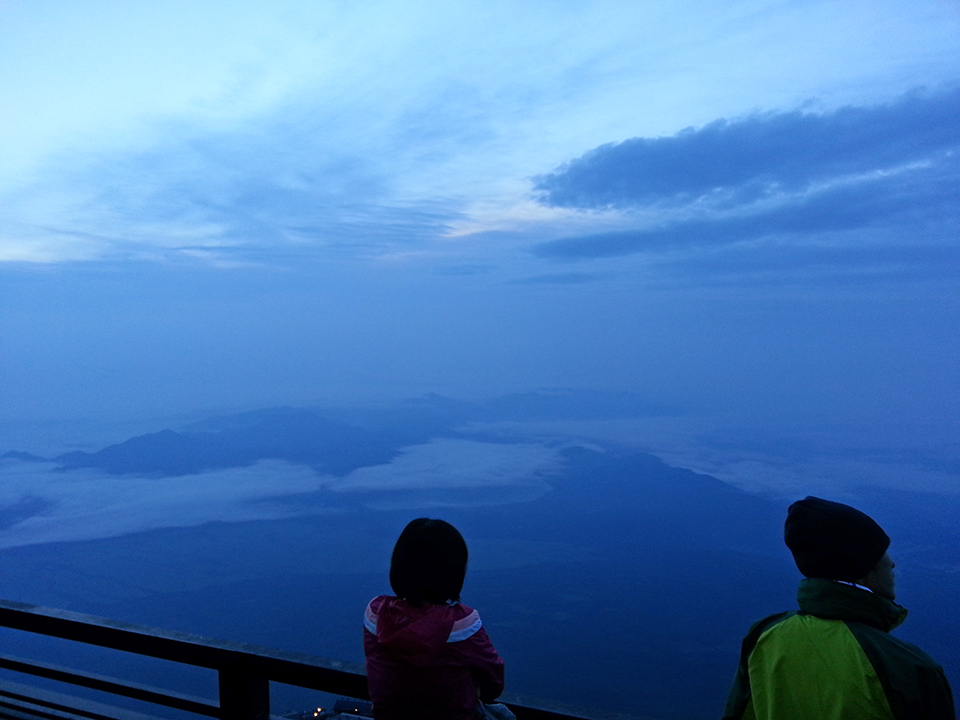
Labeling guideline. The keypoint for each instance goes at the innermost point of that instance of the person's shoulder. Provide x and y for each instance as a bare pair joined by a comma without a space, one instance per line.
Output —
450,611
761,626
466,622
372,612
764,624
378,602
458,610
888,646
914,679
455,612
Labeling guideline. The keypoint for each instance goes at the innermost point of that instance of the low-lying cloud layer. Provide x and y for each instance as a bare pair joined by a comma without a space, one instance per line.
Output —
454,473
40,504
83,504
453,463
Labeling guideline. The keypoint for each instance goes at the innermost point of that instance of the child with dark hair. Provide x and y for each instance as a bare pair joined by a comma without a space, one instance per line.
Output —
428,656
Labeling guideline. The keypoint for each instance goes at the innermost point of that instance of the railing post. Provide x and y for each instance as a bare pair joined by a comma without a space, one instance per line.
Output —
243,697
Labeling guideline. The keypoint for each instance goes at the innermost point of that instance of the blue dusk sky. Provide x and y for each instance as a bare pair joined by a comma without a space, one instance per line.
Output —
747,207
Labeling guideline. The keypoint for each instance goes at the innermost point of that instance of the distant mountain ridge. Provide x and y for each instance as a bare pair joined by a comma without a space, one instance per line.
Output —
335,441
299,436
24,456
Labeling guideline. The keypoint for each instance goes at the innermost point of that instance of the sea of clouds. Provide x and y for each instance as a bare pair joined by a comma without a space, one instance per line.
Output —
40,503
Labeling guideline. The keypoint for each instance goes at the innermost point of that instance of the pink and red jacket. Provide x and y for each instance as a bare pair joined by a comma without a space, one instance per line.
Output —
432,662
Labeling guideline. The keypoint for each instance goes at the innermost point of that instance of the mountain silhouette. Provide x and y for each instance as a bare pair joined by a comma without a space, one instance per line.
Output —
299,436
334,441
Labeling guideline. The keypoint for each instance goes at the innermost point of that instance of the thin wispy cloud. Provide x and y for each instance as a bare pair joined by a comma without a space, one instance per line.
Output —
902,199
562,278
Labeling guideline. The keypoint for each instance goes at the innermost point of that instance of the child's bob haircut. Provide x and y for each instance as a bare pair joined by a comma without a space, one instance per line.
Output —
429,562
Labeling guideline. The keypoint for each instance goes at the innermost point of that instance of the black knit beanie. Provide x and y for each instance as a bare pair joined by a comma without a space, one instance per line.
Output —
831,540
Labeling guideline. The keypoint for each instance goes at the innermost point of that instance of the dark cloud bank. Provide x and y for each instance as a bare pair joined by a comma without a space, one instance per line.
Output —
889,170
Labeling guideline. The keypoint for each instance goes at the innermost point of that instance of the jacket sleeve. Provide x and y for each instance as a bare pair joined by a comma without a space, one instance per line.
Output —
485,664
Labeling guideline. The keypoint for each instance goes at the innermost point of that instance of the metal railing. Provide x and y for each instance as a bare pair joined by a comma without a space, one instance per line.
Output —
244,672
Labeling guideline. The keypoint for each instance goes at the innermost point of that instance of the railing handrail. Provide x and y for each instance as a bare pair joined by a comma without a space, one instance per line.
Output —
245,669
268,663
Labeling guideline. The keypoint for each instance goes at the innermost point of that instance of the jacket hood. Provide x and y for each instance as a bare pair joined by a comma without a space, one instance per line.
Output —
410,631
833,600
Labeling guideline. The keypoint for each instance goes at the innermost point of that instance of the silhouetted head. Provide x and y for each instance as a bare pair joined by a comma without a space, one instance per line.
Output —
833,541
429,562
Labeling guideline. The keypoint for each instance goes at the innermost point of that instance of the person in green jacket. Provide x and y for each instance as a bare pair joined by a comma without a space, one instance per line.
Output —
834,658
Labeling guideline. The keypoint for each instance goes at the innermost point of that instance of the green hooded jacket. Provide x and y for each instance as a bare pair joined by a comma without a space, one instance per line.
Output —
835,660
